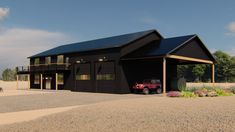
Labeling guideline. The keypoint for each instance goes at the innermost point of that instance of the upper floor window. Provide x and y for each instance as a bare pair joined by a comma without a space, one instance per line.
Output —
60,59
36,61
67,60
48,60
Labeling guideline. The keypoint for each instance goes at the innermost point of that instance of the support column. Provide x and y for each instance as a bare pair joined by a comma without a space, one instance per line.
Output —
29,81
56,81
213,73
41,85
164,76
17,82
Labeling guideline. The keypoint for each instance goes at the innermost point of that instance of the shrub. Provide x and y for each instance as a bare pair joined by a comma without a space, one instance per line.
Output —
182,84
201,92
221,92
188,94
232,89
173,94
212,94
192,89
178,84
209,88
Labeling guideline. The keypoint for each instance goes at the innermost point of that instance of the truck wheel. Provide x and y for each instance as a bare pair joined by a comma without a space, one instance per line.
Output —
146,91
159,90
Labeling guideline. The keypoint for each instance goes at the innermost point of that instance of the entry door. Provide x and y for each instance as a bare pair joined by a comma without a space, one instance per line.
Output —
48,83
83,77
105,76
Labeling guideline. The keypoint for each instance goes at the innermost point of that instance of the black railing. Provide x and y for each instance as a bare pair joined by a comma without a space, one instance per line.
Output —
50,67
22,69
43,67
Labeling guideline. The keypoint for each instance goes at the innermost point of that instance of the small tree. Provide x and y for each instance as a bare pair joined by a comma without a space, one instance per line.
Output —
9,75
198,71
224,67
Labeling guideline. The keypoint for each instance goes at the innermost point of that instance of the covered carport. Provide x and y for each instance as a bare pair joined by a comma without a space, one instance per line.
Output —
159,59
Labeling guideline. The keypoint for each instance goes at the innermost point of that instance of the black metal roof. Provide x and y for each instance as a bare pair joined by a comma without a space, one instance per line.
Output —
104,43
161,47
166,46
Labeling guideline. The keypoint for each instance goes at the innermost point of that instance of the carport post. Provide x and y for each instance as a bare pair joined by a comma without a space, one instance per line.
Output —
29,81
213,73
41,81
56,81
164,76
17,81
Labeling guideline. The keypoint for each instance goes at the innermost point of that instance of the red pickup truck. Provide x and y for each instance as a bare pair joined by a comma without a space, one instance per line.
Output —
148,85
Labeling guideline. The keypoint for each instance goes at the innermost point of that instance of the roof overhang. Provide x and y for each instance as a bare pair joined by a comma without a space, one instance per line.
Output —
177,57
189,59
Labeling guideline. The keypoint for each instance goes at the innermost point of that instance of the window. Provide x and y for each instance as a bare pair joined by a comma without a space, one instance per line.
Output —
60,78
83,77
36,61
48,60
105,77
67,60
83,71
36,78
60,59
105,70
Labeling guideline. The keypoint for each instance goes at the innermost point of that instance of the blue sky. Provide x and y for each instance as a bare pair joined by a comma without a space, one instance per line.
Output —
31,26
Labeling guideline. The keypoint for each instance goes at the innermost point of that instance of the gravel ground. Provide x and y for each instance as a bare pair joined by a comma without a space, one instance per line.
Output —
140,114
53,99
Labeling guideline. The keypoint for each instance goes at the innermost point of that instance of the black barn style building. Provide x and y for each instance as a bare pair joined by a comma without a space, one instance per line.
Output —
114,64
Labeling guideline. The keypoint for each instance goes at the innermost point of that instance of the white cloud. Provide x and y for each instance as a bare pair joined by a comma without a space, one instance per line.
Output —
213,50
4,12
232,52
16,44
231,27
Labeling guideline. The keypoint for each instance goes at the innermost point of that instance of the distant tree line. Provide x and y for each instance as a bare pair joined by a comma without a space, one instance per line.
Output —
224,69
10,75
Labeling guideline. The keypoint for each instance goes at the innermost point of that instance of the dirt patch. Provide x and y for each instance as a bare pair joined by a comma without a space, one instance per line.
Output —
14,117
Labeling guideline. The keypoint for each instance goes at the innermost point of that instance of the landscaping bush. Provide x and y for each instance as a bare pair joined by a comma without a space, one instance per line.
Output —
232,89
212,94
188,94
221,92
178,84
201,92
173,94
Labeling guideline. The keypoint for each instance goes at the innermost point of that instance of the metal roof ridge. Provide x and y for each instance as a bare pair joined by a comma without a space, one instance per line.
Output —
193,36
83,42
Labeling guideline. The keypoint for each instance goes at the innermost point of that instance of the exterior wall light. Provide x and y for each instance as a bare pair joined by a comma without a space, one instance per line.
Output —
81,61
103,59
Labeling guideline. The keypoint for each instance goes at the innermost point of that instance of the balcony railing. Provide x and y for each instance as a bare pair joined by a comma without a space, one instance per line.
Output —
43,67
22,69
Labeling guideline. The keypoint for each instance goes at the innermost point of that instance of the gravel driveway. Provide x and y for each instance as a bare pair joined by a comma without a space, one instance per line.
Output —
57,99
138,115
